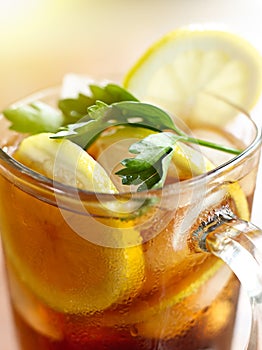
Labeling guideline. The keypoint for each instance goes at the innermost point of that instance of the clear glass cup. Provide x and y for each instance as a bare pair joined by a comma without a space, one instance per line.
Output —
133,270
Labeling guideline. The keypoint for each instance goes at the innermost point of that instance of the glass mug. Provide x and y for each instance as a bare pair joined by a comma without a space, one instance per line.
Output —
144,270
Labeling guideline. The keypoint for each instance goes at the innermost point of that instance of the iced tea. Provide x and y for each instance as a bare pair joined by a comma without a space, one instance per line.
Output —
146,287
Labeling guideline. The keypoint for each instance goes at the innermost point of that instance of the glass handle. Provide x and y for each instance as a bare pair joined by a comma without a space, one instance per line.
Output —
233,240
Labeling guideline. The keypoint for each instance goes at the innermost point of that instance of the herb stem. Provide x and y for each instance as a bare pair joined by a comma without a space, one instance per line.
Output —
206,143
212,145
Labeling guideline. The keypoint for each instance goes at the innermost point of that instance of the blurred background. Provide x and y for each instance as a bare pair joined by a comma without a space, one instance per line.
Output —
41,40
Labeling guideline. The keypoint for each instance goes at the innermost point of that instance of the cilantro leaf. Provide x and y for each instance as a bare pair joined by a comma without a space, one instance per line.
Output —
76,108
149,168
102,116
34,118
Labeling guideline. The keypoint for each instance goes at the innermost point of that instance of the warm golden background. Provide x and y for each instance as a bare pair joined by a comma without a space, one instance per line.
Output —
41,40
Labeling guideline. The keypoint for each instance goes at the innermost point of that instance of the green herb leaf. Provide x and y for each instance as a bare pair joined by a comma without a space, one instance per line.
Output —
76,108
149,168
34,118
83,119
102,116
39,117
111,93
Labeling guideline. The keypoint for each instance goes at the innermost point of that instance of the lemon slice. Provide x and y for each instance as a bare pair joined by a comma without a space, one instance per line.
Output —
63,161
75,276
188,162
111,148
177,313
67,272
185,70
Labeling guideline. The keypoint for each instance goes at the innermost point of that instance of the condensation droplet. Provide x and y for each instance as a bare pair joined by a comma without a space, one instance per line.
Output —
134,331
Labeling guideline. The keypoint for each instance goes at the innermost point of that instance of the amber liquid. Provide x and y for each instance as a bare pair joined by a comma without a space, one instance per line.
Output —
181,300
210,329
158,295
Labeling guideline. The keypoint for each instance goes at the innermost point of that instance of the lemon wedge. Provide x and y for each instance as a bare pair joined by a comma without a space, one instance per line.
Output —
68,273
188,162
186,70
111,148
63,161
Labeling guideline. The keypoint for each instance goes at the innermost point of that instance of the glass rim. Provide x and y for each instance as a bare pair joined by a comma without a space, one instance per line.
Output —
67,190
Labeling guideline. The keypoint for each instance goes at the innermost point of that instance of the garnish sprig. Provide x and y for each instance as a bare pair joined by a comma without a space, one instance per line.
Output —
84,118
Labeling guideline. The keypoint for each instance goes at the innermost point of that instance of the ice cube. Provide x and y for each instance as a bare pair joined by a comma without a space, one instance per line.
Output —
73,83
